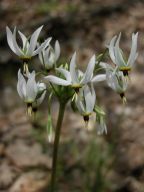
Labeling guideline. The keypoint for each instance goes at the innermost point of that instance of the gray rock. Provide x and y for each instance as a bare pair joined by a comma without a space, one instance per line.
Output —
35,181
7,174
27,155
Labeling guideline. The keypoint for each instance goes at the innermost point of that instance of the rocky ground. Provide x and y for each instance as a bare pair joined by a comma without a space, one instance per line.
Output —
111,163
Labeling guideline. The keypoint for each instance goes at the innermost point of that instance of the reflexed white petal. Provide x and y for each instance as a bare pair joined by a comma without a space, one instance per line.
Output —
73,73
99,78
80,104
31,87
41,47
41,57
19,90
47,44
136,55
110,79
133,54
24,40
21,85
16,47
111,49
93,95
51,59
56,80
10,39
80,73
80,107
40,100
118,53
33,40
57,50
89,72
89,98
41,86
65,73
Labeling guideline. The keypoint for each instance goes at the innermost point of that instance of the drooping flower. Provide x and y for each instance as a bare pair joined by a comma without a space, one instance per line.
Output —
85,101
117,81
118,57
27,89
29,47
49,56
74,77
30,91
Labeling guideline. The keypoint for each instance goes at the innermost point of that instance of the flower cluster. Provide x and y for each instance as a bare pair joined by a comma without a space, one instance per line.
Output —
66,81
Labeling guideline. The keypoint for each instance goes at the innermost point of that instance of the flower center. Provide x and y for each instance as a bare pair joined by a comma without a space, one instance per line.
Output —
125,70
86,118
25,59
76,87
122,95
34,109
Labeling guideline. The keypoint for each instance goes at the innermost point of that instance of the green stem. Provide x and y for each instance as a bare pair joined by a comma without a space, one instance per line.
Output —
56,144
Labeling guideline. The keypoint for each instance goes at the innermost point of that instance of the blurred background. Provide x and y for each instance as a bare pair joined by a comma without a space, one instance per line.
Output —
87,162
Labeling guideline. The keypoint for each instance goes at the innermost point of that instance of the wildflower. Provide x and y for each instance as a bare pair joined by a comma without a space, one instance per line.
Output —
49,56
74,77
117,81
29,47
85,101
117,56
30,91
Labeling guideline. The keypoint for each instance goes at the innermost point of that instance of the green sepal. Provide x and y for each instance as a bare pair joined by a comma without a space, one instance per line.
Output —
99,111
73,106
40,94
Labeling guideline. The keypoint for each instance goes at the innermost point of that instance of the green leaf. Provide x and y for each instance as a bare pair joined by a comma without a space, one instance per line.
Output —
49,120
49,128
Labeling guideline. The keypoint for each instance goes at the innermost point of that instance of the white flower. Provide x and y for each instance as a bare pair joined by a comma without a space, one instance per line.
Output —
75,77
85,101
49,56
28,48
117,56
31,92
117,81
27,90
